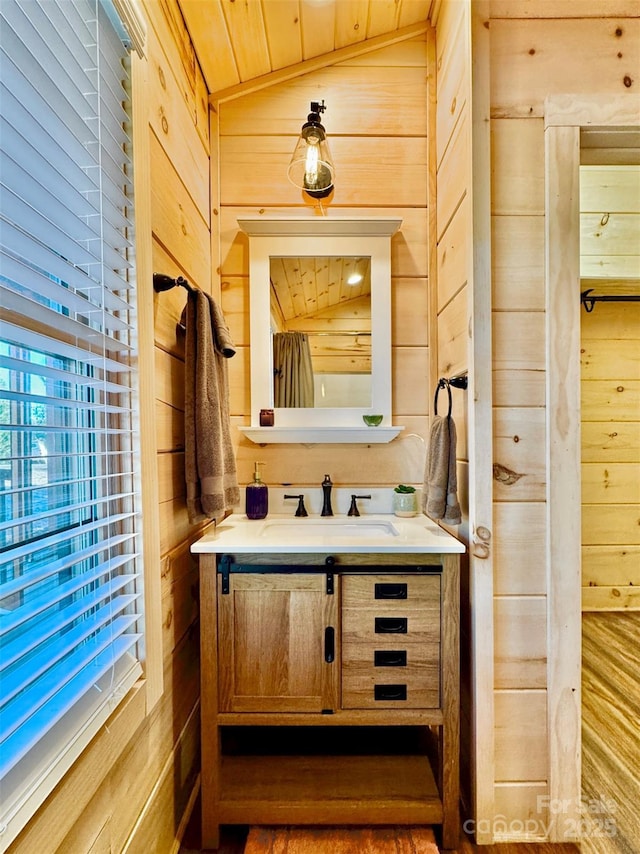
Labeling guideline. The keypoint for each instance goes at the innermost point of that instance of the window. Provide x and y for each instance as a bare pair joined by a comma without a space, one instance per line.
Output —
71,626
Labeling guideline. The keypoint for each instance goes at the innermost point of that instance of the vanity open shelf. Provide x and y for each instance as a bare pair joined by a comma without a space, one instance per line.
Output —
330,689
344,775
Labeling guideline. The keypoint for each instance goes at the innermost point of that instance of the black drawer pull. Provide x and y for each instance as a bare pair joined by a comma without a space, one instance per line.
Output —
329,644
390,591
391,625
390,658
390,692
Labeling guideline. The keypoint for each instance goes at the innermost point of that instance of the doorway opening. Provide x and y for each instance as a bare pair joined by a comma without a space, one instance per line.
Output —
569,122
610,486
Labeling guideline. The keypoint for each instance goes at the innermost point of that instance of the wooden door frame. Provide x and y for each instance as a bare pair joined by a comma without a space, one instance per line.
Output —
565,116
480,432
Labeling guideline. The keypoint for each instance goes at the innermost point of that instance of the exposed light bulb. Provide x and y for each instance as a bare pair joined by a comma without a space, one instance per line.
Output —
311,165
354,279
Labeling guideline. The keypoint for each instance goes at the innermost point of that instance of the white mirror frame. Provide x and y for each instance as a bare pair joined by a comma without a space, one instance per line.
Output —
270,238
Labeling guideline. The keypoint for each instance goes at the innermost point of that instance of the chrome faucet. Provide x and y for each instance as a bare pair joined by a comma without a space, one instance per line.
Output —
326,496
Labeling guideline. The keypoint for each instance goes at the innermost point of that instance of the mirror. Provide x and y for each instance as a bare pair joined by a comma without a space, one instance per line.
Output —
304,312
320,309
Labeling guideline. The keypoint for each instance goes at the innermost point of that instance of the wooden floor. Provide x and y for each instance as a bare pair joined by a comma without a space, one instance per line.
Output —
610,732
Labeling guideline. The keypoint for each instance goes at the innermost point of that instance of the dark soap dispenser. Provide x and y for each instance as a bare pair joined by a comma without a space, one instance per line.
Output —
257,496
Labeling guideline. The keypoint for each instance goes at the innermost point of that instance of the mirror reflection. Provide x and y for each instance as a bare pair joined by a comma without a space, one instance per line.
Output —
320,310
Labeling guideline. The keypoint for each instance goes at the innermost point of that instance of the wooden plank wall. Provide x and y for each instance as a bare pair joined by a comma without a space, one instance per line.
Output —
450,300
537,48
377,121
180,131
131,788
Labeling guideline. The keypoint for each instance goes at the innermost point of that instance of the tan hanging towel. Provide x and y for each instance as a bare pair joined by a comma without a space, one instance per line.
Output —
440,493
210,465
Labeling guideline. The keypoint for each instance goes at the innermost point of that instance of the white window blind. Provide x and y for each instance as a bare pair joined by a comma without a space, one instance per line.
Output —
71,626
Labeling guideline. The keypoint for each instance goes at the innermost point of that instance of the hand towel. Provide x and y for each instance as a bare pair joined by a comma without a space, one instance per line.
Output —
210,465
439,497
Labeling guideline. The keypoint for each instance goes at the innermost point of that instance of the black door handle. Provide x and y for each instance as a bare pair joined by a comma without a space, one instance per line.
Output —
390,591
390,692
391,625
390,658
329,644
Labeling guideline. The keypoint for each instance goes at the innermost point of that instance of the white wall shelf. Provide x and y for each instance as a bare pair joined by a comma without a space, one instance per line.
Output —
313,435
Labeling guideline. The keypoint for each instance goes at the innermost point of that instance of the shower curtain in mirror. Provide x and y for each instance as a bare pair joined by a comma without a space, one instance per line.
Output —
292,371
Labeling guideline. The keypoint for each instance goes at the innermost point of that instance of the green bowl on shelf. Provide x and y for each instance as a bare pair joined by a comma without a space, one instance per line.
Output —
372,420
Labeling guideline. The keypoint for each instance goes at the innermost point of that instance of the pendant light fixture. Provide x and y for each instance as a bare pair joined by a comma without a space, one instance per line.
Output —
311,167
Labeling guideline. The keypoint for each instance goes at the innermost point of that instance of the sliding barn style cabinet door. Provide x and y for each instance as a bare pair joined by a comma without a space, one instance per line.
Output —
277,643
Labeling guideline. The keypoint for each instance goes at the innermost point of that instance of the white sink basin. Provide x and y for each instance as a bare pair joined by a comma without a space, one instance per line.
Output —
304,528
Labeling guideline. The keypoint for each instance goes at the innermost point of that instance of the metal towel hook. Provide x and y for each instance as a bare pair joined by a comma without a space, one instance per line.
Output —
162,282
457,381
442,383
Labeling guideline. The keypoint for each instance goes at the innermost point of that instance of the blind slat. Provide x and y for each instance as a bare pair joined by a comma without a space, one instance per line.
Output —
15,618
52,685
27,549
12,651
92,684
46,344
13,301
71,617
21,149
74,132
67,509
17,244
27,675
60,375
66,405
25,277
43,228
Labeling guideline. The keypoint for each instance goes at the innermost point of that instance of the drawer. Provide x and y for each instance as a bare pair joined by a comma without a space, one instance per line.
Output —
390,627
392,676
393,660
415,685
409,592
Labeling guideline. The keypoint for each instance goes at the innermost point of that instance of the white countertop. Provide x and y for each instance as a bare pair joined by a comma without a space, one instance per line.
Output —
339,534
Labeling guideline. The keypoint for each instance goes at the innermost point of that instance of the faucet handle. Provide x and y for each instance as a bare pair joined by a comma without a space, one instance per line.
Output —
353,510
302,510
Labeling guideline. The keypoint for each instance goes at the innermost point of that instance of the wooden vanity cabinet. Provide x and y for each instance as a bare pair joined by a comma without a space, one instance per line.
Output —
330,690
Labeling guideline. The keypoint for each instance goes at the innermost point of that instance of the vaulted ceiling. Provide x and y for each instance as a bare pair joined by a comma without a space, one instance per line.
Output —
244,43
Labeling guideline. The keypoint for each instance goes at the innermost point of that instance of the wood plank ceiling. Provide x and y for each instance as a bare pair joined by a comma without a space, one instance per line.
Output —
239,42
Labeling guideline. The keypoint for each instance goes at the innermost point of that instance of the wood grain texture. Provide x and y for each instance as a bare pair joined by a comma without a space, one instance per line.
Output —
393,840
533,49
264,41
275,675
520,642
611,752
611,465
517,175
453,260
562,428
271,632
518,267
